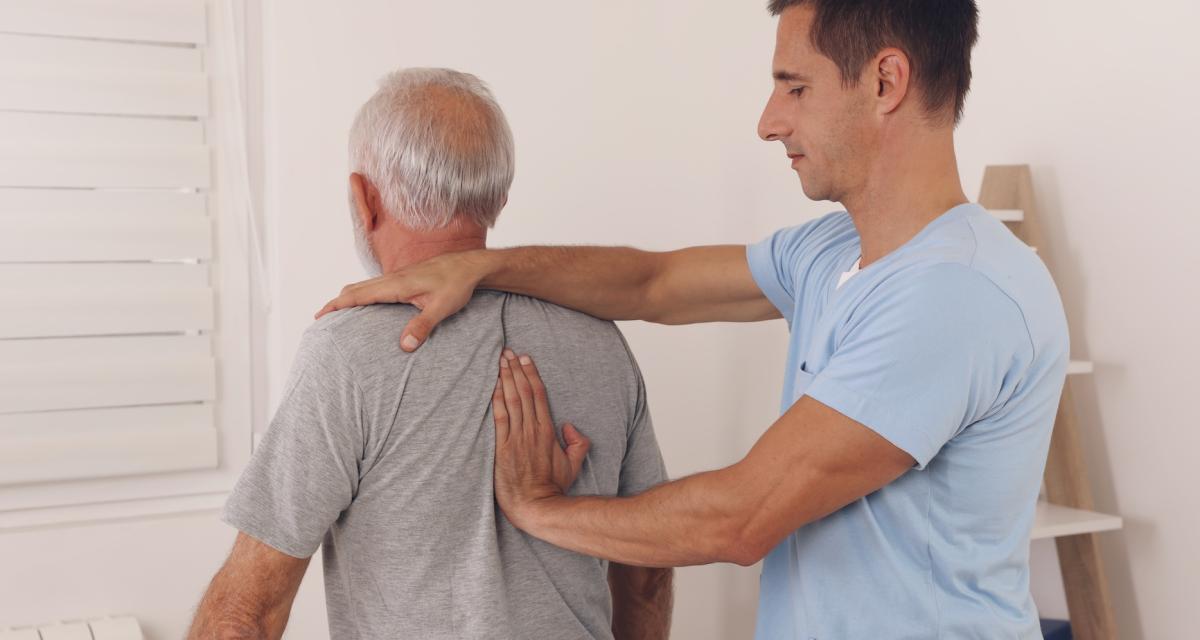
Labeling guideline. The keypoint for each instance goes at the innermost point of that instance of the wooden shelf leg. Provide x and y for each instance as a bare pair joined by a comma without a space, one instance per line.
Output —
1088,600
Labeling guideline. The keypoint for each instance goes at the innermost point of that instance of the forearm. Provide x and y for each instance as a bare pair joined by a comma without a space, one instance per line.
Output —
226,615
642,601
605,282
695,520
251,595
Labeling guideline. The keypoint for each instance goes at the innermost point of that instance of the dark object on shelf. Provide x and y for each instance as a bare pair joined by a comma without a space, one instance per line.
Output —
1056,629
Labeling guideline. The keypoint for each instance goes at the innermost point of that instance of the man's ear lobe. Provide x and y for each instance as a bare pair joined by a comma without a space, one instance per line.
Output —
359,189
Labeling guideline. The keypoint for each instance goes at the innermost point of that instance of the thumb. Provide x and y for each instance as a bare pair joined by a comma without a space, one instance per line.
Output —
577,447
418,329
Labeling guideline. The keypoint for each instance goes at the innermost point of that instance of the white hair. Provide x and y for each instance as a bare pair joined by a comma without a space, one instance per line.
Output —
436,145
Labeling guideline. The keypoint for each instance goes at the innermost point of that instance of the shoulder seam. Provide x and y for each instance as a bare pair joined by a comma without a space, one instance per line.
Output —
337,349
1020,311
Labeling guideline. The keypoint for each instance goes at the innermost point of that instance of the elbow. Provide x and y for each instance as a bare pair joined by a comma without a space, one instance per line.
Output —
742,546
746,553
652,304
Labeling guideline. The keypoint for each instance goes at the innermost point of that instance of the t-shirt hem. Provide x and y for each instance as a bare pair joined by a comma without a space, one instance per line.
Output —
248,527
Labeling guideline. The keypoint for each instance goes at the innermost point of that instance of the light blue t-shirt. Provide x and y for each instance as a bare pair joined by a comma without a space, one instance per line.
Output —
954,348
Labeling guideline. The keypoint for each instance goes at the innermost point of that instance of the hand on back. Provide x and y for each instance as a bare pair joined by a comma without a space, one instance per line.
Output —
439,287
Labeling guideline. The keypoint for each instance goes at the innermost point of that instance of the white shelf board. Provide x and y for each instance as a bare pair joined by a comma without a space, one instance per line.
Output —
1079,366
1054,521
1008,215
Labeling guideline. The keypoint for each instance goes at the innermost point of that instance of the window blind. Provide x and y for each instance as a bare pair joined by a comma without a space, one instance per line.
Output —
107,316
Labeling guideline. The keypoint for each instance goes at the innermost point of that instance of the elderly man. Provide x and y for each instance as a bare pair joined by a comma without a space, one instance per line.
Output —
386,457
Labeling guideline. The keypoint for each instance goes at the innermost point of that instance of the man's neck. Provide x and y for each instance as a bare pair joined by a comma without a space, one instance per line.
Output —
410,247
908,188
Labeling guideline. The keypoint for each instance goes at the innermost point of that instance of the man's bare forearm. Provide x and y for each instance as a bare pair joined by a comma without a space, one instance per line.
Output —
605,282
251,596
696,284
228,614
642,601
699,519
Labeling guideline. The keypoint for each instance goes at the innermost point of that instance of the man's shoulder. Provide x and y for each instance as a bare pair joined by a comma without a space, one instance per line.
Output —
532,315
365,333
358,338
822,232
517,306
353,321
356,323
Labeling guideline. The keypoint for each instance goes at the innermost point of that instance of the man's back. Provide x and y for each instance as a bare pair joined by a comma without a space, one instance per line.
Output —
387,456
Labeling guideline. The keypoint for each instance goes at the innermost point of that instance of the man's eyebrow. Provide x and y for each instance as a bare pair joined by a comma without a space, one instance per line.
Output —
789,76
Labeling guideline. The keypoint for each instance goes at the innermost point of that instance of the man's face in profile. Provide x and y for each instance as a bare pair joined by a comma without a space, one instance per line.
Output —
826,128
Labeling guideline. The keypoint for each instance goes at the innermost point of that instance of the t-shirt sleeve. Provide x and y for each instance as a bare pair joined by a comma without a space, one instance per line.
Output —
773,265
643,466
923,357
305,470
776,260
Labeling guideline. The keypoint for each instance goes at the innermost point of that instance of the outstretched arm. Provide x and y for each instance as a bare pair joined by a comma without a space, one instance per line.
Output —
810,463
698,284
251,596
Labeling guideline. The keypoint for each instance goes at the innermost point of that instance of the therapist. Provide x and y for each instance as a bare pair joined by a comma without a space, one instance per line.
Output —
894,496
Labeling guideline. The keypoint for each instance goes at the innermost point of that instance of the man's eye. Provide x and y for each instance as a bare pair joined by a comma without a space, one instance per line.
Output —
797,91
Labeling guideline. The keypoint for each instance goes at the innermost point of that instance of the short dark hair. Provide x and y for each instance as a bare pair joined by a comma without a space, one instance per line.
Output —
937,36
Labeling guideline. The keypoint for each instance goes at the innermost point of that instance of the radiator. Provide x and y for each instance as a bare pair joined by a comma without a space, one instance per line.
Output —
122,628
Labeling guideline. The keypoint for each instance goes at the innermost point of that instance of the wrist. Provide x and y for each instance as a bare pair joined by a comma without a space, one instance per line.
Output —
534,515
485,264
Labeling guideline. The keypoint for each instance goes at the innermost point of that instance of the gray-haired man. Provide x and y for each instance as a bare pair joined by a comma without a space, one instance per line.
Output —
386,457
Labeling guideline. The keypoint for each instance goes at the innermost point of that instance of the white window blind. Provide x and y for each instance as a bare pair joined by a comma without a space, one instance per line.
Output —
124,282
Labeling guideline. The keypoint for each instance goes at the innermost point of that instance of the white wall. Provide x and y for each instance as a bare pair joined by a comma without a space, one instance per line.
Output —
1100,98
634,124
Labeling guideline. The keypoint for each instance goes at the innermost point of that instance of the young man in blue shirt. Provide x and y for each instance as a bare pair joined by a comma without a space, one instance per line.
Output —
894,496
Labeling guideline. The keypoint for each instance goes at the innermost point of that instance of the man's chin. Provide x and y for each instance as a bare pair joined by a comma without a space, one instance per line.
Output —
813,192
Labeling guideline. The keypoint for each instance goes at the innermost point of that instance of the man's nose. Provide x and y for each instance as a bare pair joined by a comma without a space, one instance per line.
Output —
770,126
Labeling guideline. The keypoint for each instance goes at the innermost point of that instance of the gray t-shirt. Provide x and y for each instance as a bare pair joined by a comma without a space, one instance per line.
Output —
386,457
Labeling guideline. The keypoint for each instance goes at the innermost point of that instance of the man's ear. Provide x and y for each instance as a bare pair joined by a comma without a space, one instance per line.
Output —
365,206
892,75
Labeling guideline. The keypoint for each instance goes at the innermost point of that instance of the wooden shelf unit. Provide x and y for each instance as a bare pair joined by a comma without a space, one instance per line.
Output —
1066,515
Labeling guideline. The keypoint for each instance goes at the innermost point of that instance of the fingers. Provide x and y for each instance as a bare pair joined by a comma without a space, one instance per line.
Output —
512,399
350,296
532,424
340,302
577,448
541,404
390,287
500,413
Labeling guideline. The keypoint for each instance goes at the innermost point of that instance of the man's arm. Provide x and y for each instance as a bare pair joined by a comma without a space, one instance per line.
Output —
698,284
642,601
251,596
811,462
